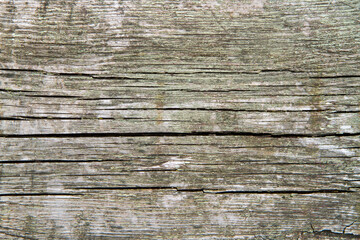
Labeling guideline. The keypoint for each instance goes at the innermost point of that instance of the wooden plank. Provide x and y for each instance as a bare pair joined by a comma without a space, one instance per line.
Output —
164,36
148,214
179,119
203,185
224,163
244,103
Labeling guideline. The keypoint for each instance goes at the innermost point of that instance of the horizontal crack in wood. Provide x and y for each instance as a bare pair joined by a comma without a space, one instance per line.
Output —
17,235
178,134
330,233
38,194
287,191
175,73
216,191
28,118
60,161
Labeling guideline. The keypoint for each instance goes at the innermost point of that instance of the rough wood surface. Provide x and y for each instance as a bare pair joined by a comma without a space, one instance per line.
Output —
179,119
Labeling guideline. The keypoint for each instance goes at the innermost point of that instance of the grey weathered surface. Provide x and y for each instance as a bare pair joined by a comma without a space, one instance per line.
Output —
183,119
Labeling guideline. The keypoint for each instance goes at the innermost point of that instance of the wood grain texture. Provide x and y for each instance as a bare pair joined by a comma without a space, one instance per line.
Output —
208,119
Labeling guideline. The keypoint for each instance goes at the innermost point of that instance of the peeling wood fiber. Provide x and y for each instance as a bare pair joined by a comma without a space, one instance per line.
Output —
179,119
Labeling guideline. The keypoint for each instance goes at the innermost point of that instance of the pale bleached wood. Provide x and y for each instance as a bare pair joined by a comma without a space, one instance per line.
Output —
179,119
165,214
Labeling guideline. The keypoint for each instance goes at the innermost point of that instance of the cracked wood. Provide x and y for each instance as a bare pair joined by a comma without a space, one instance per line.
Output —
179,119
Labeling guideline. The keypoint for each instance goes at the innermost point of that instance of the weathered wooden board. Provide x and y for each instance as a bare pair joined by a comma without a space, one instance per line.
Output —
181,119
276,103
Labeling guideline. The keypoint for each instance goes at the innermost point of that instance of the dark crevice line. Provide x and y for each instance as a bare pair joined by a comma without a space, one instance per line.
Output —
330,233
126,188
116,78
125,172
287,191
20,70
226,110
209,90
38,194
167,120
70,74
191,190
59,161
284,163
350,111
46,72
52,96
182,144
289,173
349,225
305,95
255,72
38,95
198,72
255,94
27,118
141,86
281,70
337,76
13,229
19,230
93,175
9,118
144,188
252,146
177,134
17,235
116,98
153,170
18,118
216,191
15,91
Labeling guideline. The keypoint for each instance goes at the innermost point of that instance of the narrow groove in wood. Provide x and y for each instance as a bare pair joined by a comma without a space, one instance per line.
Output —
52,96
127,188
173,73
17,235
179,119
12,90
29,118
287,191
69,74
60,161
176,134
224,110
336,76
215,191
330,233
38,194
